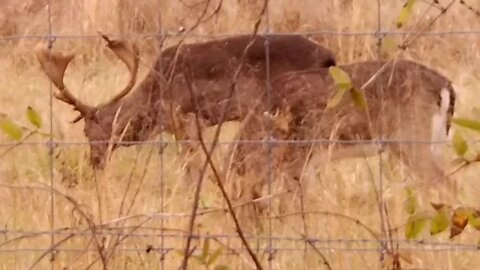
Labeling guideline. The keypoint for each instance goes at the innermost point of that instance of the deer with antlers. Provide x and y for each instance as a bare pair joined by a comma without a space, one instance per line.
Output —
406,101
137,115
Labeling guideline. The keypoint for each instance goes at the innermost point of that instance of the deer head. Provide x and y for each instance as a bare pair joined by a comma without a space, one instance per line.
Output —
98,128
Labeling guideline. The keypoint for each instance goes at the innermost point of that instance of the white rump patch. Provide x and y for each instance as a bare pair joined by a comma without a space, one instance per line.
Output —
439,126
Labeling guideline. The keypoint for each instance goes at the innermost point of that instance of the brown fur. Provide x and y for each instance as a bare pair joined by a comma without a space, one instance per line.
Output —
401,102
148,109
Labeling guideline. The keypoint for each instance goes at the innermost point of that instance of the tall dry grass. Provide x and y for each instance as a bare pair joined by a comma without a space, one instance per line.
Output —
153,184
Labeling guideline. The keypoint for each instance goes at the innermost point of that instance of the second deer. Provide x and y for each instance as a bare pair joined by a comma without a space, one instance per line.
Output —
408,106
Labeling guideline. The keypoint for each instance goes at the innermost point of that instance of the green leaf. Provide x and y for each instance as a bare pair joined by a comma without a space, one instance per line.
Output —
415,225
467,123
471,157
411,203
34,117
11,129
206,249
439,222
474,220
221,267
214,256
340,77
405,13
459,144
359,98
342,81
335,100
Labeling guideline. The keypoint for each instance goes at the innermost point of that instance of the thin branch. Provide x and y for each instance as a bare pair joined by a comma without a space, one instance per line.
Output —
218,179
13,146
407,43
471,8
76,205
312,245
336,215
216,136
49,250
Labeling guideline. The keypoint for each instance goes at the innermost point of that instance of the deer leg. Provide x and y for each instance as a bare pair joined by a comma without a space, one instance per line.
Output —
190,149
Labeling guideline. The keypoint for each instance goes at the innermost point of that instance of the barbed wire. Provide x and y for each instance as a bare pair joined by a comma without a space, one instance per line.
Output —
76,232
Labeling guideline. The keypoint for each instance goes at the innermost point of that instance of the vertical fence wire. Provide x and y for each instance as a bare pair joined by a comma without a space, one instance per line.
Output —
158,69
50,140
269,142
162,165
383,222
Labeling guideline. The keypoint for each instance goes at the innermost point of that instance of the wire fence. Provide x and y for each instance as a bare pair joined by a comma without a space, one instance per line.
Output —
114,236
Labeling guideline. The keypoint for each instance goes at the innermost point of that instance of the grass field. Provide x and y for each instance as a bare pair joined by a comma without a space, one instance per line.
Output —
142,195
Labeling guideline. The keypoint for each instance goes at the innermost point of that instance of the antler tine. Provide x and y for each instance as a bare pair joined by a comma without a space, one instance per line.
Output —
128,53
54,65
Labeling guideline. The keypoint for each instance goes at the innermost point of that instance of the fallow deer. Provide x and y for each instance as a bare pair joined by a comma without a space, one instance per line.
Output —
132,116
406,101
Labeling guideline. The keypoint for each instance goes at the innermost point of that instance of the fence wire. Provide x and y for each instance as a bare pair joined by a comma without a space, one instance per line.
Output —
226,35
274,243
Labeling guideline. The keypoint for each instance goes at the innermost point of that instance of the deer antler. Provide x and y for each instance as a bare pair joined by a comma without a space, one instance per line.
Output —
128,53
54,65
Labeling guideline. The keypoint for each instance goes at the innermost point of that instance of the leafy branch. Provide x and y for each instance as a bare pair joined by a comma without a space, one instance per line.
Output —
18,133
440,218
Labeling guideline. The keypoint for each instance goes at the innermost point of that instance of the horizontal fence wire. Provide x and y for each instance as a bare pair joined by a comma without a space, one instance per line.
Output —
108,231
224,142
332,245
225,35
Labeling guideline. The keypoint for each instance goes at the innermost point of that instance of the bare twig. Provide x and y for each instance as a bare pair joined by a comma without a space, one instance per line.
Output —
218,179
127,188
77,258
75,204
312,245
471,8
10,148
336,215
216,136
407,43
49,250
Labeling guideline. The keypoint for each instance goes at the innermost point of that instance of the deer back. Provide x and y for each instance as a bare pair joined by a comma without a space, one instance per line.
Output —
211,66
404,92
219,59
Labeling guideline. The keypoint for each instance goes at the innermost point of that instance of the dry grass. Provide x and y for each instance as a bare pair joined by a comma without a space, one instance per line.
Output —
345,188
